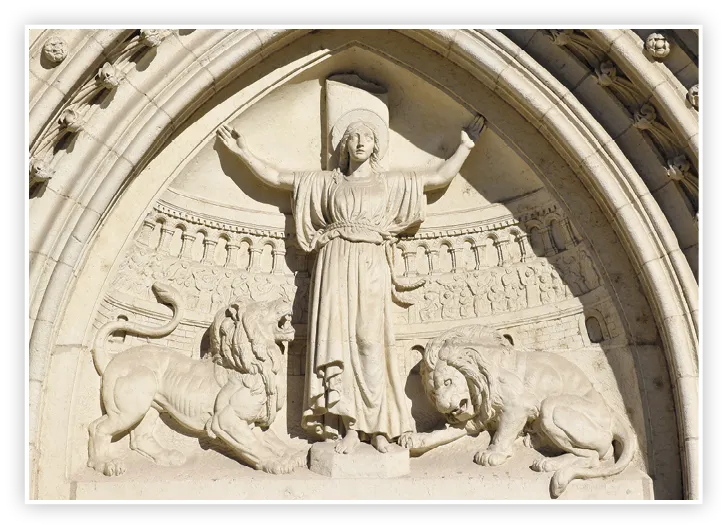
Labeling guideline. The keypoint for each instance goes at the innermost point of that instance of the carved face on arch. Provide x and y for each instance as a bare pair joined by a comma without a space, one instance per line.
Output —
452,395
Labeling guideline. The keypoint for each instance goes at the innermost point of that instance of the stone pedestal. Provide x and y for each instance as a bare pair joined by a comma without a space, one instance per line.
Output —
365,462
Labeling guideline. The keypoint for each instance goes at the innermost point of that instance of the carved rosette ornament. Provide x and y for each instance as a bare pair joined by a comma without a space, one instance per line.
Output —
55,49
693,96
645,117
606,73
657,45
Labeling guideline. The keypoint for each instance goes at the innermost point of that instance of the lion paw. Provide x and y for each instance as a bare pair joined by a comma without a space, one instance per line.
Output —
299,459
115,467
490,458
278,467
543,464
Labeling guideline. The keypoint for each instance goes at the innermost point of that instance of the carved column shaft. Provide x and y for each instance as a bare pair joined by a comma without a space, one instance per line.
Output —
480,256
255,254
457,258
208,253
146,231
410,264
278,258
188,239
499,248
232,254
166,239
524,247
433,262
548,244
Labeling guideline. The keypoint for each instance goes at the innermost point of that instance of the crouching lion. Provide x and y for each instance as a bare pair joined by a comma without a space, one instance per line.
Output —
233,393
481,382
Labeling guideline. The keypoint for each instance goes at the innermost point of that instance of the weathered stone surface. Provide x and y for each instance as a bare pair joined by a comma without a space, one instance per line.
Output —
374,191
365,462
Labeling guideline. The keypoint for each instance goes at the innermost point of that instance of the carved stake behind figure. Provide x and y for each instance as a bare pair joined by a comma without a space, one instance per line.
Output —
349,217
234,393
479,381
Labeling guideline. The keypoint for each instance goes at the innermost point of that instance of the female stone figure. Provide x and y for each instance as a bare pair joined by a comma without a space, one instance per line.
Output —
348,216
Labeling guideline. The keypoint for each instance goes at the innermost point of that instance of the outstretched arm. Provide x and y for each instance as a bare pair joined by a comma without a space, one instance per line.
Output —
422,442
450,167
265,172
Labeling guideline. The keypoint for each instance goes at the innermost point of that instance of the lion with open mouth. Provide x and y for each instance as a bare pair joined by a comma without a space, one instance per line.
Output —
480,382
233,394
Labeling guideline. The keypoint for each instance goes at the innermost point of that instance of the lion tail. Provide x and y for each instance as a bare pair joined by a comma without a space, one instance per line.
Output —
166,294
628,443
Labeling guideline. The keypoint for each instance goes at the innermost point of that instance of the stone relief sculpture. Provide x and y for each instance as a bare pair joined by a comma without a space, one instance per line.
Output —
481,382
232,394
349,216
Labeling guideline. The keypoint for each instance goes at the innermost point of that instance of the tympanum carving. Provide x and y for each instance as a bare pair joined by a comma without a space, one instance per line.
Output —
233,394
480,382
349,217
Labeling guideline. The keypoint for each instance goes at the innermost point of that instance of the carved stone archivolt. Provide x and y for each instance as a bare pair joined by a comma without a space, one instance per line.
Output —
534,275
644,114
58,136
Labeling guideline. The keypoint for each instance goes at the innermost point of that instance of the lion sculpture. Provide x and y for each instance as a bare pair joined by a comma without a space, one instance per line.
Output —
481,382
232,394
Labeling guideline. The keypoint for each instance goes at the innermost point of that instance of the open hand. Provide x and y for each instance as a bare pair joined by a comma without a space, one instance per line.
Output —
231,138
470,134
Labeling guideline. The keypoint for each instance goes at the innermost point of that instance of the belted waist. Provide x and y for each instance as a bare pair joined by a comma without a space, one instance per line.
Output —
351,231
372,234
343,224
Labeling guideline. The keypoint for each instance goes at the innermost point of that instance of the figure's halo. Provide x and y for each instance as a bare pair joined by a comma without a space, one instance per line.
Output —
361,114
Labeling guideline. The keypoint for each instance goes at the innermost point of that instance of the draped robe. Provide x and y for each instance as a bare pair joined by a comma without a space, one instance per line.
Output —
352,375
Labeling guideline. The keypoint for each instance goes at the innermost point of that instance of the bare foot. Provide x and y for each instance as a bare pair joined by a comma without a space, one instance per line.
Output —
380,443
348,443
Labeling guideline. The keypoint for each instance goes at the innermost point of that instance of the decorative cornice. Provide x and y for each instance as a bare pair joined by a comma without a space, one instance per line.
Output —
200,219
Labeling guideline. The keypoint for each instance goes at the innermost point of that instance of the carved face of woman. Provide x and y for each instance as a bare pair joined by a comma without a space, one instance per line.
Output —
360,144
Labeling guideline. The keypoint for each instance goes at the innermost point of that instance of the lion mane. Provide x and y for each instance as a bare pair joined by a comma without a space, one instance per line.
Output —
457,348
240,341
514,390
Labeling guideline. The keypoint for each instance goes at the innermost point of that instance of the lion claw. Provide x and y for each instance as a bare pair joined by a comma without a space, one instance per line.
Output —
278,467
114,467
298,459
490,458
